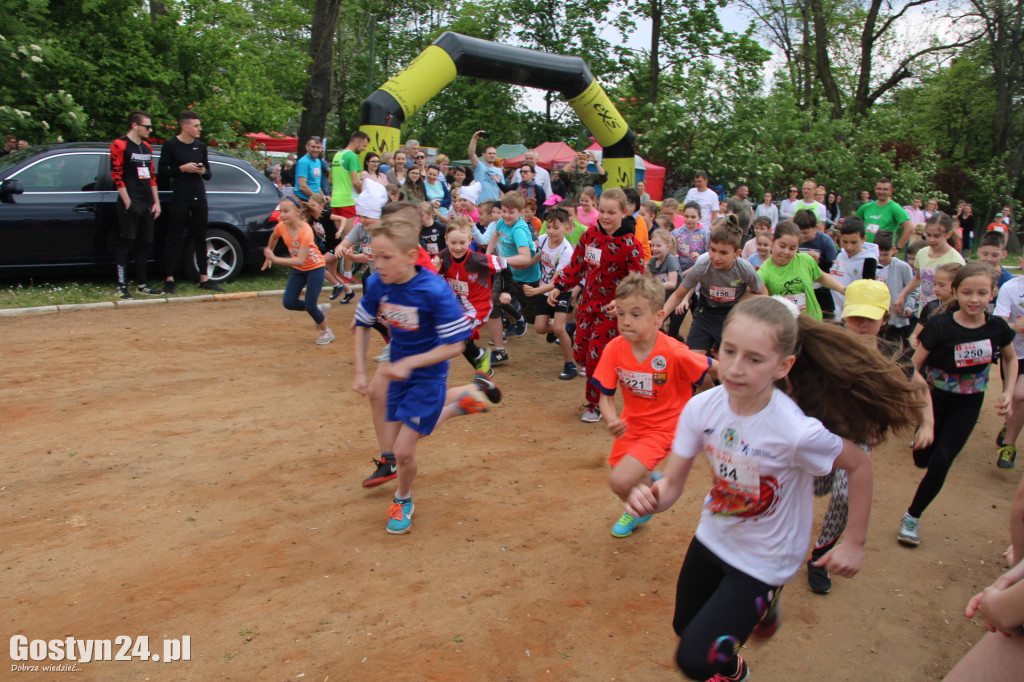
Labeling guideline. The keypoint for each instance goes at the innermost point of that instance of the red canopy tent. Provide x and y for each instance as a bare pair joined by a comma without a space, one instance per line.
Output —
273,144
549,154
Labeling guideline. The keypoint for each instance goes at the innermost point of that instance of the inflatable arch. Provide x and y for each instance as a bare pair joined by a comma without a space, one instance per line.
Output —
383,112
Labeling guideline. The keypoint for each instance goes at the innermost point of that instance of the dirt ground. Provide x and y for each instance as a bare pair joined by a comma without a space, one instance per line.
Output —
194,469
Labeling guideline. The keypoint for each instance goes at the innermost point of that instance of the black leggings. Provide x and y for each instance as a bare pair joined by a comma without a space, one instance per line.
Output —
717,607
955,416
186,224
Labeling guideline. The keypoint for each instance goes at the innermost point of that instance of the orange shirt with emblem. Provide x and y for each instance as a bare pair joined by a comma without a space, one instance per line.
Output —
314,259
655,389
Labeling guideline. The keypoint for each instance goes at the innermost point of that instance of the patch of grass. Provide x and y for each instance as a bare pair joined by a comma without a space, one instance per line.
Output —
190,519
245,631
457,640
33,291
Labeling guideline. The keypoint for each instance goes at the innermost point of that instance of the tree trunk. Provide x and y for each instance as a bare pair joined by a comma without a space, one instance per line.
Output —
655,65
316,101
822,62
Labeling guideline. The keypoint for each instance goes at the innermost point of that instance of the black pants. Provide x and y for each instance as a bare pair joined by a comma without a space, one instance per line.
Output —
135,233
955,416
187,218
717,607
675,321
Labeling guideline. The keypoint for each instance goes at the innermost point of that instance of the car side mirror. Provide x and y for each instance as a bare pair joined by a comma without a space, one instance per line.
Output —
9,187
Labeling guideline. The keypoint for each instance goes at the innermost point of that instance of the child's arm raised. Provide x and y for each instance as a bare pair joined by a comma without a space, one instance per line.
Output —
845,559
646,500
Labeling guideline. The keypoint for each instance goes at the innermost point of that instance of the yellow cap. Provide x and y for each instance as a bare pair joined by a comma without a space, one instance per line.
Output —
866,298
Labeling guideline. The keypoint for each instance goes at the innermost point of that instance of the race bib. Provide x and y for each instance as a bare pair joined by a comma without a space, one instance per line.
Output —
973,353
593,256
549,260
368,250
722,294
143,172
432,248
800,300
837,270
316,172
459,287
872,228
737,486
640,383
400,316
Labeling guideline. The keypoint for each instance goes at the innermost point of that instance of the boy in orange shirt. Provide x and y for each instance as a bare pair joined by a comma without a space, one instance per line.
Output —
656,373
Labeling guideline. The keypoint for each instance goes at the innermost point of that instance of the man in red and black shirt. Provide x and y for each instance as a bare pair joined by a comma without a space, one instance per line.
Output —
131,168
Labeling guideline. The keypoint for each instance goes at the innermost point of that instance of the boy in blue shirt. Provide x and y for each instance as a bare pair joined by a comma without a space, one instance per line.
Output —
992,251
428,328
513,241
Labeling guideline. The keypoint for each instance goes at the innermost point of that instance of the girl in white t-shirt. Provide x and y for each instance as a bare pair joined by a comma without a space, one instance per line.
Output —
764,453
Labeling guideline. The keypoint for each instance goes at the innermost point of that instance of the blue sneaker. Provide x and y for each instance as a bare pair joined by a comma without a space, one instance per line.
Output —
623,528
400,516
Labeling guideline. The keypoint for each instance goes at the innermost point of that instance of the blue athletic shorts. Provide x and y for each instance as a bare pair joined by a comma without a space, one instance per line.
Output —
417,403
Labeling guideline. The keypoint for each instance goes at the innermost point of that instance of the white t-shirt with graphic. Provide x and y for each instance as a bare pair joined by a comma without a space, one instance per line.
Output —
553,259
758,516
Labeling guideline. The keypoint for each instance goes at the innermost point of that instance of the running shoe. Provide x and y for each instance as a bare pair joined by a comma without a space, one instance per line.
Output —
348,279
551,338
483,363
210,285
473,401
149,291
519,328
499,356
592,414
336,291
1007,457
818,578
742,673
169,287
487,387
569,372
910,531
386,470
1001,436
124,294
326,336
623,528
400,516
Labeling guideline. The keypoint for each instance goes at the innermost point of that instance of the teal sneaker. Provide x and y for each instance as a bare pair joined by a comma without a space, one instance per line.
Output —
400,516
623,528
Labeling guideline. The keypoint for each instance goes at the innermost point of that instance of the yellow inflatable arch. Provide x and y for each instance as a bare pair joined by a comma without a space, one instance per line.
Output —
382,113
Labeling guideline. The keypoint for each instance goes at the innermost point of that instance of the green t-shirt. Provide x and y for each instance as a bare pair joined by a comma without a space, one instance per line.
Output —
795,282
888,218
342,165
573,237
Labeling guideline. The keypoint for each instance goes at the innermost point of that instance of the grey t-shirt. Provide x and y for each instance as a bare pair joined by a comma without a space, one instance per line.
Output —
721,289
669,265
359,237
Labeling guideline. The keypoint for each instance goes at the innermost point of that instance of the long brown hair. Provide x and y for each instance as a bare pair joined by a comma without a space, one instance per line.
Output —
839,377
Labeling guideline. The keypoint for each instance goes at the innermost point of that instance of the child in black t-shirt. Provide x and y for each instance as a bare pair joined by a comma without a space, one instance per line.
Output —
954,352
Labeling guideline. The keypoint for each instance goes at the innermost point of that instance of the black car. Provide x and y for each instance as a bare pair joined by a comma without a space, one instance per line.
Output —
57,213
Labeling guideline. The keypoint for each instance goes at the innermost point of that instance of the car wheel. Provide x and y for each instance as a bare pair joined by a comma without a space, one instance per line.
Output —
224,259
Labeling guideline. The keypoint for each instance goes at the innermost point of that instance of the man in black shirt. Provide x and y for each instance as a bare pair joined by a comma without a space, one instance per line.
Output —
183,161
138,205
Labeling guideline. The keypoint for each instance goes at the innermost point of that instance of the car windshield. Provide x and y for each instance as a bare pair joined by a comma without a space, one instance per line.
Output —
14,157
